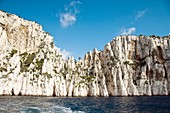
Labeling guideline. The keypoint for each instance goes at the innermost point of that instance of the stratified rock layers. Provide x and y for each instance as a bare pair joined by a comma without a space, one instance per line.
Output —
30,64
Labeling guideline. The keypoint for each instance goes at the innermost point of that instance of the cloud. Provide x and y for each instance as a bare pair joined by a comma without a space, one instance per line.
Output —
69,16
65,54
67,19
73,3
140,14
128,31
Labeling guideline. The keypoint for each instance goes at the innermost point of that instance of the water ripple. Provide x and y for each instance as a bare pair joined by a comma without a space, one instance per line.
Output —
30,104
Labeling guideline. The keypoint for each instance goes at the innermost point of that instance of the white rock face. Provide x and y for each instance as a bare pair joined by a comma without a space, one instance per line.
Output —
30,64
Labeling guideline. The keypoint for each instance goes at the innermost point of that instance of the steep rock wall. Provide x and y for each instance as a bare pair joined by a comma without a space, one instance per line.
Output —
30,64
135,65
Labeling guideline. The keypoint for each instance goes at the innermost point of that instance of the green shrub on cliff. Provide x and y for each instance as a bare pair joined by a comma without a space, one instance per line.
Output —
39,64
2,69
168,37
47,75
126,62
152,36
26,60
88,78
30,59
52,44
13,52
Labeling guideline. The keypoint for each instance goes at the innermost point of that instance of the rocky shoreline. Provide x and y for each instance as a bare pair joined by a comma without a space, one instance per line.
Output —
30,64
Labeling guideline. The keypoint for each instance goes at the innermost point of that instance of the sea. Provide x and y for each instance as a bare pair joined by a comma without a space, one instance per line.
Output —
31,104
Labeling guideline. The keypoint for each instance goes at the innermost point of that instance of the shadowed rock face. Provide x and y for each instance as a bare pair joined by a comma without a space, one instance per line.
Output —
30,64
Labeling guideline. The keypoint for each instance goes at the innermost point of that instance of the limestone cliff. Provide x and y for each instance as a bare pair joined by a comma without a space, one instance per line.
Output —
133,65
30,64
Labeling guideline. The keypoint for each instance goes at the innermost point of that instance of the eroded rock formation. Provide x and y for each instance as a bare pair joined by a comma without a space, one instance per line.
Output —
30,64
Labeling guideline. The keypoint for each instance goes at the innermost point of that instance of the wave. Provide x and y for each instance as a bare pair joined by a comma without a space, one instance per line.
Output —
52,109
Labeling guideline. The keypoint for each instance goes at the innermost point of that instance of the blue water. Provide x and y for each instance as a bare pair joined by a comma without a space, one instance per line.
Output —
23,104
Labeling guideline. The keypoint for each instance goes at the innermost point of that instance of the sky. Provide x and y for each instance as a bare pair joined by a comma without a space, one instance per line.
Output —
79,26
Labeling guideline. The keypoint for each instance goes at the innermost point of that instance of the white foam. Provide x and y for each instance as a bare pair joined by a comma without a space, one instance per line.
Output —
66,110
50,109
31,110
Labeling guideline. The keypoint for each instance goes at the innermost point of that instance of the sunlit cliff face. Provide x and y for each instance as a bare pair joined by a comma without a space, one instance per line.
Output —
30,64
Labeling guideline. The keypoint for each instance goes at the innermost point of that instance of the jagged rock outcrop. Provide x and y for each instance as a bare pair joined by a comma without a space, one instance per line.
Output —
30,64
